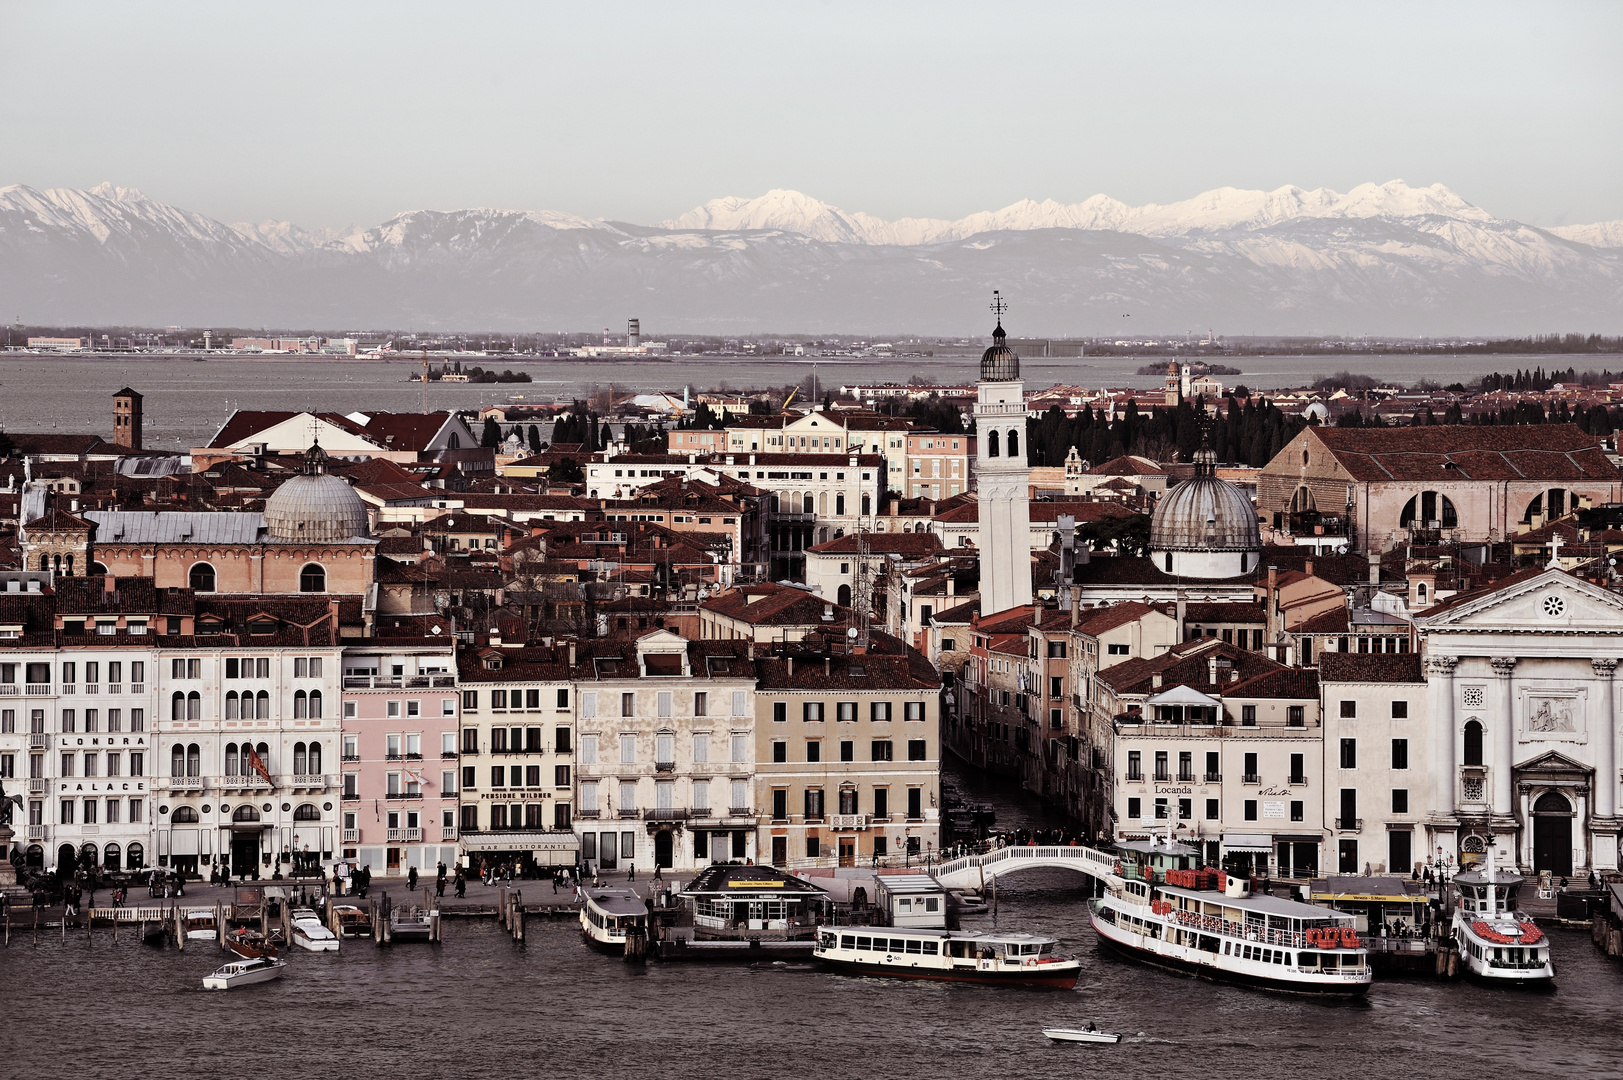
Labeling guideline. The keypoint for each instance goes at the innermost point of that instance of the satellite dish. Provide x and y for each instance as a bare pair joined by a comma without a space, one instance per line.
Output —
851,633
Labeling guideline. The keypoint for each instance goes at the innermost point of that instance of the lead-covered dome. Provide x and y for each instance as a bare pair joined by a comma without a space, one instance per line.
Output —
1205,527
999,363
315,508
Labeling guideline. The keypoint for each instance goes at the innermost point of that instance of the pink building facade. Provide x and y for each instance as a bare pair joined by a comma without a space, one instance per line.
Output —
401,715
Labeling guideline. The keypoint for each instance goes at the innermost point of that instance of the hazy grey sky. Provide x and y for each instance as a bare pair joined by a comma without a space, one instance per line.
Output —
334,113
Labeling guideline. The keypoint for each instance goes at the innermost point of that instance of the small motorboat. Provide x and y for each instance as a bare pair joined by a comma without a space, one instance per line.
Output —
310,933
244,972
249,945
200,925
1089,1034
353,921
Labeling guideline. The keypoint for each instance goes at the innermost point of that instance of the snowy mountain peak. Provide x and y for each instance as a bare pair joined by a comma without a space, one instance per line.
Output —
1221,208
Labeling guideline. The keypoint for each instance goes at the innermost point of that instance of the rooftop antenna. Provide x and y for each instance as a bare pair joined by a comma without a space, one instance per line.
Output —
861,596
425,382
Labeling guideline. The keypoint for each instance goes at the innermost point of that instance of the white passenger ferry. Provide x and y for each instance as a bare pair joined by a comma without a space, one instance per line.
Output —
607,913
950,955
1496,941
1161,909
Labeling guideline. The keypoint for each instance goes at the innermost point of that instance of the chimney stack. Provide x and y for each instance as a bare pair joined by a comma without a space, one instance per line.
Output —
1374,568
571,654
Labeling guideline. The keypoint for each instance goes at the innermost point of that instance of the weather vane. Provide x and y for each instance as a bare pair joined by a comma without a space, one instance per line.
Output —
999,306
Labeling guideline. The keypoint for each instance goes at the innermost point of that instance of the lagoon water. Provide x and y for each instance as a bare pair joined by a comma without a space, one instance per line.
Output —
187,400
479,1006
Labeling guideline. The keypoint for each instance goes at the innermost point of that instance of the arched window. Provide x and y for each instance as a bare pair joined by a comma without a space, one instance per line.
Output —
177,760
822,504
44,563
315,756
1551,504
194,759
313,578
184,815
87,855
1420,592
1169,562
299,759
245,812
300,707
261,705
231,705
264,755
315,706
56,563
1552,802
202,577
194,706
307,812
68,562
1014,444
991,444
867,505
1429,510
1473,743
98,569
177,706
232,766
111,856
135,858
843,596
1302,500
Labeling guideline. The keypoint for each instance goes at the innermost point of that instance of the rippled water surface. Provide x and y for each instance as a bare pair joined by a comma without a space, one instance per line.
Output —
478,1005
187,401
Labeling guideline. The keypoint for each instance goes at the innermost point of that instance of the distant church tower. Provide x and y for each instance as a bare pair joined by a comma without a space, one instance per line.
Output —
1003,499
127,419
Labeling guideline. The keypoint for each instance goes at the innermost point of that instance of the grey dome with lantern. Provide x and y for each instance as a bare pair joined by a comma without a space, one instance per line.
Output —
315,507
999,363
1205,527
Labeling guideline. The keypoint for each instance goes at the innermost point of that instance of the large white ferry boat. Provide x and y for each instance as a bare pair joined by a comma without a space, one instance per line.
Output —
1161,909
949,955
1497,941
607,913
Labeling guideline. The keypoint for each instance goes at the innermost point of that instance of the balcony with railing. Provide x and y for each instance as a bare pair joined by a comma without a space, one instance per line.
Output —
848,822
352,836
408,836
38,689
664,766
399,682
403,795
629,813
1251,778
311,780
588,815
1214,778
245,782
448,832
740,812
38,740
666,813
1347,824
36,832
37,785
185,783
8,689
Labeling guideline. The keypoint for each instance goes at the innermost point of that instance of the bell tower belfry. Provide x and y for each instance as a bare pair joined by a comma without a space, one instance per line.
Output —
1003,493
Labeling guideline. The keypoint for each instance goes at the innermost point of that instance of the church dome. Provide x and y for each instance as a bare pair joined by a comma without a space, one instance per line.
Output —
1204,514
315,508
999,363
1205,527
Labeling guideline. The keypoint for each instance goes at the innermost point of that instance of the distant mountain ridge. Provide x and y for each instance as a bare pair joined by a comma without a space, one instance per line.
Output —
1380,259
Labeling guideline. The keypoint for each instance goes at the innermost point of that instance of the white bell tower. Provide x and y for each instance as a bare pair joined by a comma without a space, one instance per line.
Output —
1003,494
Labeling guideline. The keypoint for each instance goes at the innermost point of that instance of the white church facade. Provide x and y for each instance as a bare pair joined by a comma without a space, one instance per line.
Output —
1522,715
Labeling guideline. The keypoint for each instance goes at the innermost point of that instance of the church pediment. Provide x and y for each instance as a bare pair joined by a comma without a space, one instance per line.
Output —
1552,764
1550,602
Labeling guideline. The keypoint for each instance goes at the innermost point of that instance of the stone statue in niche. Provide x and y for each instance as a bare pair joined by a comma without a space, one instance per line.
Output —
1550,714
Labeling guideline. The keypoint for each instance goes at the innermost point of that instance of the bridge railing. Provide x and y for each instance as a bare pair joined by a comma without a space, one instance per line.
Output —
1089,860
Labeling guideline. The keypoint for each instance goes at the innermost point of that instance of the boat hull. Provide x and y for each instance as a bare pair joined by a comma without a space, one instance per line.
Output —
310,944
1213,973
1035,977
243,978
1075,1035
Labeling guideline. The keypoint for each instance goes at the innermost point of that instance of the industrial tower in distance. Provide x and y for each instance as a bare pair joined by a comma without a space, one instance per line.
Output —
1004,497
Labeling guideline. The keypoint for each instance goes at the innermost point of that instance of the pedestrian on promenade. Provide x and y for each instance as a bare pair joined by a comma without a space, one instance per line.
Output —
411,879
631,873
461,884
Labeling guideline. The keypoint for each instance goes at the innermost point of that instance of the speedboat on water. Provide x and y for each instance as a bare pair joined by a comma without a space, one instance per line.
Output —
244,972
310,933
1089,1034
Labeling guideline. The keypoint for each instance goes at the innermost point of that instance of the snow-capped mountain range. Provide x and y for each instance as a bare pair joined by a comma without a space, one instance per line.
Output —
1379,259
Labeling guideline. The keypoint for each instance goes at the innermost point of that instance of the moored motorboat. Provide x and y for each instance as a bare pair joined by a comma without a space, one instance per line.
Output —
310,933
1088,1034
1498,942
249,945
607,914
244,973
352,921
946,955
200,924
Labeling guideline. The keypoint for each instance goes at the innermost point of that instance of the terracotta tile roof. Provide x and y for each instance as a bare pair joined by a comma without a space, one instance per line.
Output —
776,605
1326,622
905,544
1297,683
1185,665
1224,613
1509,452
1335,667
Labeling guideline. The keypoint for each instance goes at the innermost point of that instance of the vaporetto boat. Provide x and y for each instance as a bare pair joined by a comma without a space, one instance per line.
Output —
946,955
1497,941
1161,909
606,914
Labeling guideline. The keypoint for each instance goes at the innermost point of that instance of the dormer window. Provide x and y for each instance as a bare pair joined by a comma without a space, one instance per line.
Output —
493,663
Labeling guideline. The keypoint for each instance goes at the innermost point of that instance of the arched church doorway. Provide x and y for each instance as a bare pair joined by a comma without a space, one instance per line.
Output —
1552,834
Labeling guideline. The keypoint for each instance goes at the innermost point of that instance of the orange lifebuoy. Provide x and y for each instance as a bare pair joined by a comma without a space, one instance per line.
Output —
1349,938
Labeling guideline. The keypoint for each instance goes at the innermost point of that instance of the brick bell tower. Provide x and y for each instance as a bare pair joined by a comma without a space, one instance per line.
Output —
127,419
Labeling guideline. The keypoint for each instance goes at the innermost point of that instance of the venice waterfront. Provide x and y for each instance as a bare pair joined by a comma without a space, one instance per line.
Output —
478,1005
188,400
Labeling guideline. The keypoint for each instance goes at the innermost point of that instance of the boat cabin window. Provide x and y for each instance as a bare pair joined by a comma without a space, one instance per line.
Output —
959,949
847,941
865,944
